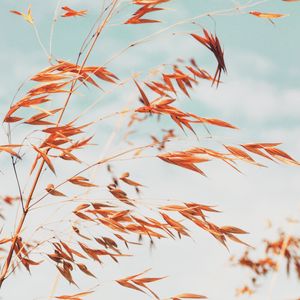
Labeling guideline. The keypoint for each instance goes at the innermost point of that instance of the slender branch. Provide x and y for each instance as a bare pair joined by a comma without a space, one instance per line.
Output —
89,36
28,201
98,32
55,17
40,41
18,182
19,227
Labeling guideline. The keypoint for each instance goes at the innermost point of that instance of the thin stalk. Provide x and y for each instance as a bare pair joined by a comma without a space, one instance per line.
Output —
40,41
55,17
19,228
28,201
18,182
98,32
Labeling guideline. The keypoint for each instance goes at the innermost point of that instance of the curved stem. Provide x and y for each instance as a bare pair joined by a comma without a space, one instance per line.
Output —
19,227
5,268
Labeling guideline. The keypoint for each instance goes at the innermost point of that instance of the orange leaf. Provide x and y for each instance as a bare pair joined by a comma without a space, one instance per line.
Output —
9,149
51,190
82,181
267,15
124,177
73,13
27,17
45,158
189,296
74,296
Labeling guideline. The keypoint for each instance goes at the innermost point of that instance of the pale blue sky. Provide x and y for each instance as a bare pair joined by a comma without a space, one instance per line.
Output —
260,94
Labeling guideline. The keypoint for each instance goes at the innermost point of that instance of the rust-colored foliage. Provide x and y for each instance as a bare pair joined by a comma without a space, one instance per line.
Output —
266,15
147,6
139,284
285,246
188,296
106,229
212,42
27,17
78,296
69,12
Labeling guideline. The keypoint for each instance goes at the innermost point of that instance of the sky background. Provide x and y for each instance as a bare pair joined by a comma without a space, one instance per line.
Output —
260,95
